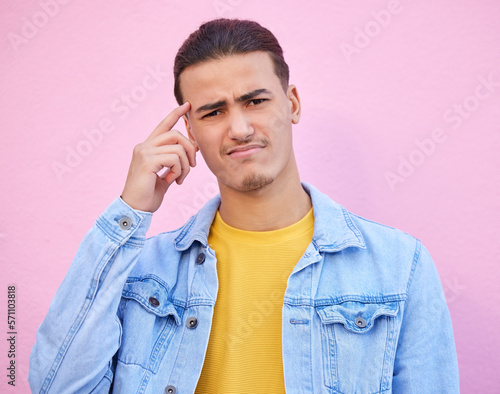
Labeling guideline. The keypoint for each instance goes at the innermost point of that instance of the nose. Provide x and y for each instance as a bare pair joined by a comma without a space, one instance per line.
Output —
240,126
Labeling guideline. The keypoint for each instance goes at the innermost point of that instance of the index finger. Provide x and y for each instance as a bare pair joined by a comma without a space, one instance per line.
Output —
171,119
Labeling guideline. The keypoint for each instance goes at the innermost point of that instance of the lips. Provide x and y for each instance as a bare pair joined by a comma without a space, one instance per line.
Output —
239,149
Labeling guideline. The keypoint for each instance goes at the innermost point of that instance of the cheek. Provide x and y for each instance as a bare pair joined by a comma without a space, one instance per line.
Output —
202,136
276,121
209,148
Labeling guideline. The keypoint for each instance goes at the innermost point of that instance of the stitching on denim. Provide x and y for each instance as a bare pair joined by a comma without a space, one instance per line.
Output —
162,312
106,229
311,317
416,259
326,355
135,364
352,226
146,377
388,337
193,302
87,303
183,230
161,344
336,353
345,298
134,279
174,364
109,230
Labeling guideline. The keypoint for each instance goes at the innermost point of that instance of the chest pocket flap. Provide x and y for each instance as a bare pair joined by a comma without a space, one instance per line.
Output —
152,296
358,339
357,317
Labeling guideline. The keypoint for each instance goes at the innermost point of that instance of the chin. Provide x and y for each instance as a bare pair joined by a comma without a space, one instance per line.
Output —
254,183
251,183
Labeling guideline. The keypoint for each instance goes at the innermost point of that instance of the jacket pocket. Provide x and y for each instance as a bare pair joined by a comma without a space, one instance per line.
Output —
358,345
149,319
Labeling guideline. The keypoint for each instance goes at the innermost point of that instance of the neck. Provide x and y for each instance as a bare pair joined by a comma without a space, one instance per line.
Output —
278,205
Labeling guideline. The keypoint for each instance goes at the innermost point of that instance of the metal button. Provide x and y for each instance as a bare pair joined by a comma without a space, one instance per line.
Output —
170,390
125,223
360,322
191,322
200,259
154,301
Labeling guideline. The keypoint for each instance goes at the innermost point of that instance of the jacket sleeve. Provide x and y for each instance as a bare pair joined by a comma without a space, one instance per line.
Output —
426,360
81,332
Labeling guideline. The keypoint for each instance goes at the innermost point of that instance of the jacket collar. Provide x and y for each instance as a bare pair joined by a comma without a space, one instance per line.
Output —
334,229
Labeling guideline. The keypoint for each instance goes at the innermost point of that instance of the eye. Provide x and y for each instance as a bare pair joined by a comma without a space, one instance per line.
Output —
256,101
211,114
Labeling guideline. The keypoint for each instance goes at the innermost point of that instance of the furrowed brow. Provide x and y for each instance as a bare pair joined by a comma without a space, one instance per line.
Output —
223,103
252,94
211,106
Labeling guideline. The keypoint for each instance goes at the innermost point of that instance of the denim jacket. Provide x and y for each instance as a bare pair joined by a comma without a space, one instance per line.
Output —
364,310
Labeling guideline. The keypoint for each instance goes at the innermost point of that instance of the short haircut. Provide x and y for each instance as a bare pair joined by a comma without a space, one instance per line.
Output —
224,37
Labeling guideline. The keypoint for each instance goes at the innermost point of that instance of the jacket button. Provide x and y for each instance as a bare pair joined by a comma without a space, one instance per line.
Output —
170,390
360,322
200,259
191,322
125,223
154,301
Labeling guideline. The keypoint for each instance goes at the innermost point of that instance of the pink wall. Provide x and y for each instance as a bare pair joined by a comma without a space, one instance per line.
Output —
400,123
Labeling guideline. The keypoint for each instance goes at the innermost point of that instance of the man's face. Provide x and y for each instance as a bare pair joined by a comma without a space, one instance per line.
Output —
241,119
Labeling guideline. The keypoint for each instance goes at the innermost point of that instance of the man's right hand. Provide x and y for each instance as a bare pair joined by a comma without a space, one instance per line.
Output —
164,148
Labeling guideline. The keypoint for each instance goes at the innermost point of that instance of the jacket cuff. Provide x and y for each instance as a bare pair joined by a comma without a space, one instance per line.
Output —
122,223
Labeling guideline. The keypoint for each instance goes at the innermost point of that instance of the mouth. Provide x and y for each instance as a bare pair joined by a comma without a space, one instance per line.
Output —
245,151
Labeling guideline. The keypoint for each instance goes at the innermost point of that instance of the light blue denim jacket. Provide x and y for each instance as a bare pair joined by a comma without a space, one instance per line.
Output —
363,312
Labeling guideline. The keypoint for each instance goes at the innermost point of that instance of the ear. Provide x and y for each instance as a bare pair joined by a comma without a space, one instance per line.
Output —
294,101
189,132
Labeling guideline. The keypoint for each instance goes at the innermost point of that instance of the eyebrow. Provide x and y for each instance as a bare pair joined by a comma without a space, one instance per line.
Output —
222,103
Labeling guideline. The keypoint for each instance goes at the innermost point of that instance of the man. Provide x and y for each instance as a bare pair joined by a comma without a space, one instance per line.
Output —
271,286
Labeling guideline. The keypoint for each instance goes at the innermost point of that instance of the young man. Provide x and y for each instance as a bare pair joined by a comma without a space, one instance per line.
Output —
271,286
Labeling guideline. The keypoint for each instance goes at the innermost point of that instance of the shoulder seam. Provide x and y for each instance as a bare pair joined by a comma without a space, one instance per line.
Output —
416,258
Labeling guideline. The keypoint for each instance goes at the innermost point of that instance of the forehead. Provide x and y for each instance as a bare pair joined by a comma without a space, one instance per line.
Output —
231,75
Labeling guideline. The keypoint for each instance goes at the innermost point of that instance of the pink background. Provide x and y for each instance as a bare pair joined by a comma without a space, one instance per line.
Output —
376,79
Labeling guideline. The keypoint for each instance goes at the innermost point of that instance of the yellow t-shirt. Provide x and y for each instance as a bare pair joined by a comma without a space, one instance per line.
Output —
244,352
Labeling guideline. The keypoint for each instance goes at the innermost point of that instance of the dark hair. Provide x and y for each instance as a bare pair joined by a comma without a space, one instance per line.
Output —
223,37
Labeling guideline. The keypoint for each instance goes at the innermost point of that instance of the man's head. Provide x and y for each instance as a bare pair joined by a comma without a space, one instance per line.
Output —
242,109
220,38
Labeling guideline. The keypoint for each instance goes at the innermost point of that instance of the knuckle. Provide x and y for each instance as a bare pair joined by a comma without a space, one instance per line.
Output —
137,149
177,162
173,150
177,148
143,154
182,152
